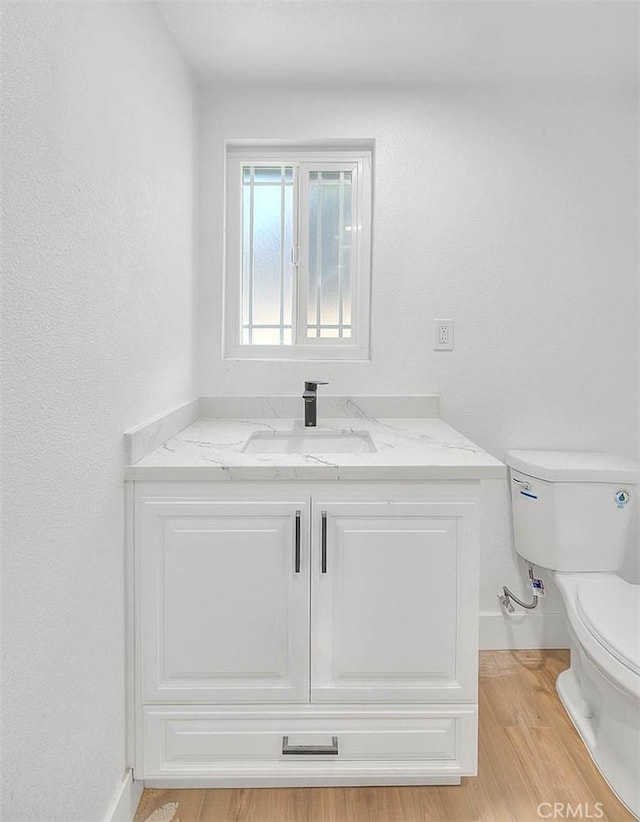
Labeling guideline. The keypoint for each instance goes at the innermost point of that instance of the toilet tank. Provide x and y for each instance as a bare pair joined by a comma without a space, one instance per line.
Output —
572,509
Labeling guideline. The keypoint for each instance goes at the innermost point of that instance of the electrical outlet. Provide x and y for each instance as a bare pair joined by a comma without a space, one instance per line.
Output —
443,335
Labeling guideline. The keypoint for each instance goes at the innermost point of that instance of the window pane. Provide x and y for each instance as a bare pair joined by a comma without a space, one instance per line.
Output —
329,301
267,335
270,174
267,241
267,277
247,221
346,239
288,270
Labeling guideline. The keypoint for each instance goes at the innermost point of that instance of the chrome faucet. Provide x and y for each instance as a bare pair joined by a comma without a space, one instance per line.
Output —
310,398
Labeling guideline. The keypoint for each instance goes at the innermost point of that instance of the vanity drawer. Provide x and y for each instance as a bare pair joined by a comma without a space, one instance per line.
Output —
229,748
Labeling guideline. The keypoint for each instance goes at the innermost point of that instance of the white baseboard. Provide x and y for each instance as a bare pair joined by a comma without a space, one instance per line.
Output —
125,803
500,631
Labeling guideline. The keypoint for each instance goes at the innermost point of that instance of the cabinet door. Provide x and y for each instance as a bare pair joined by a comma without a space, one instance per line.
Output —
394,603
222,604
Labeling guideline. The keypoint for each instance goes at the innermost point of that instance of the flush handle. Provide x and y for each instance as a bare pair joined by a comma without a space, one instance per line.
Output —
523,483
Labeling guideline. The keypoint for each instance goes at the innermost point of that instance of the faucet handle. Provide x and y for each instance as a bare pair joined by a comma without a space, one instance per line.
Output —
311,385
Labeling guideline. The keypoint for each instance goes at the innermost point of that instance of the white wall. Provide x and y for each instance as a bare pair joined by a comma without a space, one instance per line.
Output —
633,560
98,136
513,210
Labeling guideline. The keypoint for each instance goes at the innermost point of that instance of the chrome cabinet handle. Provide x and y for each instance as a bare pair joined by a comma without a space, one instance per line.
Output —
312,750
297,559
324,542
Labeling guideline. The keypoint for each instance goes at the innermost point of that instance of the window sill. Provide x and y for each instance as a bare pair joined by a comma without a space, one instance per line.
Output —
298,353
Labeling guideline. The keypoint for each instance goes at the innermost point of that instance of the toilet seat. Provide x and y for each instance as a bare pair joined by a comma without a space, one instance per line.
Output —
601,688
599,625
610,610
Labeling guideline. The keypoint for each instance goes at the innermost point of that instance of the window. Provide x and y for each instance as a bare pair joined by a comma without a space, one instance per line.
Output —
298,251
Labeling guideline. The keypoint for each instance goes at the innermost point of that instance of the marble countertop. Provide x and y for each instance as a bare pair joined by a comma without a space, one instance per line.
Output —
424,448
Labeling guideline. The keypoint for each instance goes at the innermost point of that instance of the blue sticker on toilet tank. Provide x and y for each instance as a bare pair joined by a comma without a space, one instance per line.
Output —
528,494
622,497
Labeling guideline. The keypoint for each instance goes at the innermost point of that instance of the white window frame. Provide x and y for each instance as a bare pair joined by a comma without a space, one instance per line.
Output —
355,157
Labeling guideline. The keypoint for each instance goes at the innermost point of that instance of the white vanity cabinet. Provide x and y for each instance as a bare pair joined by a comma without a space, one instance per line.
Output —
305,633
393,585
223,610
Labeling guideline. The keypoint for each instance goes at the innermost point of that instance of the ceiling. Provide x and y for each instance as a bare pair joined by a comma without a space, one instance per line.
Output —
405,42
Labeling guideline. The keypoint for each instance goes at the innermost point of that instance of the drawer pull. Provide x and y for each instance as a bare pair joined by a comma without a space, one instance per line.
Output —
297,558
324,542
312,750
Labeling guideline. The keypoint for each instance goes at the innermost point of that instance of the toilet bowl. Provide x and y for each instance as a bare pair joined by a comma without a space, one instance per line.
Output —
601,689
571,514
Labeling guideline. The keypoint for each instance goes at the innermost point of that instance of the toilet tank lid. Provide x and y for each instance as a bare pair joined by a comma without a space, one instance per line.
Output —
575,466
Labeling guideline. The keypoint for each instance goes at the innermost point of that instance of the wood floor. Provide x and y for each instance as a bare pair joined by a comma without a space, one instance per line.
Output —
529,754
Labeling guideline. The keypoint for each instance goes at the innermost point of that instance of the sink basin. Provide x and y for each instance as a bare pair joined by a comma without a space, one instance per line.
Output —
307,442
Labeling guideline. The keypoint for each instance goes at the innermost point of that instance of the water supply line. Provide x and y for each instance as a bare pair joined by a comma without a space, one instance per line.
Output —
537,586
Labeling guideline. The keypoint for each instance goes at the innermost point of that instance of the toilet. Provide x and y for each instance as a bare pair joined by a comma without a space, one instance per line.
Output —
571,514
